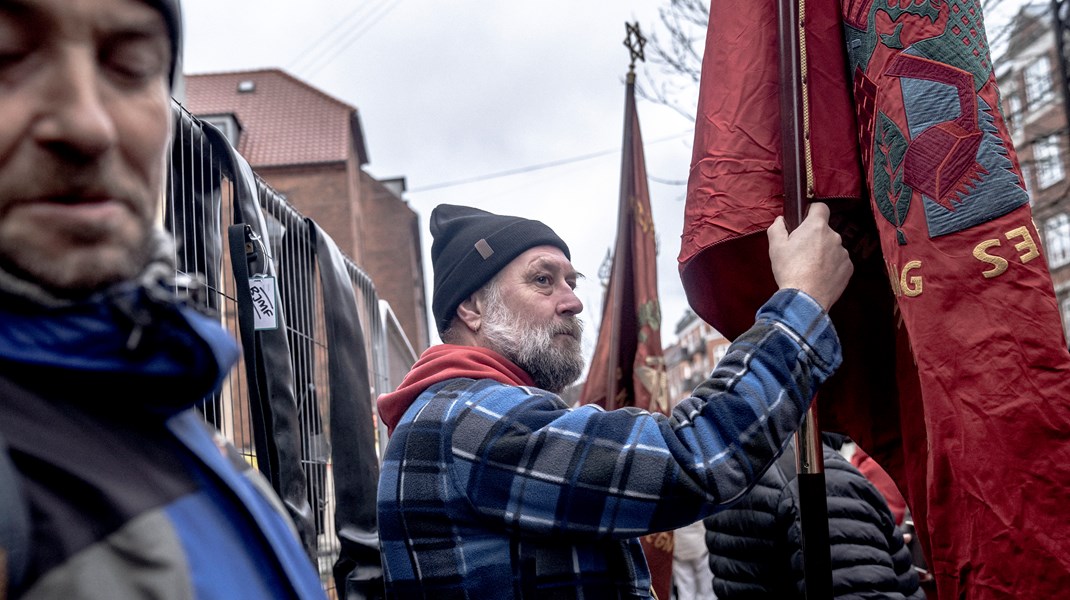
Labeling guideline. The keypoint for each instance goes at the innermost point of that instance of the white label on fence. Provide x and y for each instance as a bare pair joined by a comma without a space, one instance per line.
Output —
265,313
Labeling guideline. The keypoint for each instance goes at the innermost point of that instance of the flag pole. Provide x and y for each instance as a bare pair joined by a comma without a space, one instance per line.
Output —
813,502
634,41
616,278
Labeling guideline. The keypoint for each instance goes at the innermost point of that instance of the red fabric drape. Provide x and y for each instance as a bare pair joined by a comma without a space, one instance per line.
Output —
956,376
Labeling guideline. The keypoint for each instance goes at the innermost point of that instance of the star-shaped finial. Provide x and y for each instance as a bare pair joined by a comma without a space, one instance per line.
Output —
634,41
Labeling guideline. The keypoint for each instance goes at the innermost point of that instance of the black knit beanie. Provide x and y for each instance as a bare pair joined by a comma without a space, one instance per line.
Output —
470,246
172,15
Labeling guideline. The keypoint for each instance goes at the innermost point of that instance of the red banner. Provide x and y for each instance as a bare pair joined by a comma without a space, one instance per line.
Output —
961,388
736,190
628,367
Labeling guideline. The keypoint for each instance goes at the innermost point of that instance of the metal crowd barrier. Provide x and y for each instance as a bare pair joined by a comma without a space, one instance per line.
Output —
318,346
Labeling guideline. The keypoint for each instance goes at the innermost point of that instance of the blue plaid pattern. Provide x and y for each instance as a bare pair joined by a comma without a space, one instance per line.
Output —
496,491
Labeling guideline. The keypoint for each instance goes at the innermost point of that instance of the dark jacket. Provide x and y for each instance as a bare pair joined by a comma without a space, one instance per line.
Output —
14,526
129,493
756,552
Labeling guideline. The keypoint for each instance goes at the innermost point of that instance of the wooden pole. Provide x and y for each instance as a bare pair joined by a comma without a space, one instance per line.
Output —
813,502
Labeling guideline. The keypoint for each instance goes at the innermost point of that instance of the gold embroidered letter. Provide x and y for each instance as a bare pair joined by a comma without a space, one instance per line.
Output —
999,264
913,288
1027,242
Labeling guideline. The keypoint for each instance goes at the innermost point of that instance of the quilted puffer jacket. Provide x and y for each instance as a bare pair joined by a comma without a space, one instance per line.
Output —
756,550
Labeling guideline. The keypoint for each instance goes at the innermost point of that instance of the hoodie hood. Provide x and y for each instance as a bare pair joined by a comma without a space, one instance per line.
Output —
139,333
442,363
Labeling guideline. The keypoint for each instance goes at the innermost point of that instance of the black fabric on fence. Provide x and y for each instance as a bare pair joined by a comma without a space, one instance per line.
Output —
294,253
274,415
193,217
276,429
358,572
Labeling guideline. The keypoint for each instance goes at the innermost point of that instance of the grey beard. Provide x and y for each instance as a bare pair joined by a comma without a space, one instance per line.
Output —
531,346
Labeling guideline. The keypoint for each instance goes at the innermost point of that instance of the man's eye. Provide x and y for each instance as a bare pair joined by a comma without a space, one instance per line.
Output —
136,59
12,56
542,279
15,65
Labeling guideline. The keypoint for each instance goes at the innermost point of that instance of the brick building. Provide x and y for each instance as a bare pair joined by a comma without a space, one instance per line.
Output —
691,359
1028,74
310,147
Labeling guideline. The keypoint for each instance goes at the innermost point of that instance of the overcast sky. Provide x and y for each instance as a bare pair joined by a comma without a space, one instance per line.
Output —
463,89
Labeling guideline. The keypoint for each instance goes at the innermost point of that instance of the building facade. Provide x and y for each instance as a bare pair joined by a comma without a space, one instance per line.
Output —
310,147
691,359
1030,79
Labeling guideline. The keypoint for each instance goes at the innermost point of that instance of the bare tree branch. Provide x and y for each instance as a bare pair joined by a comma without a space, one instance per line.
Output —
675,53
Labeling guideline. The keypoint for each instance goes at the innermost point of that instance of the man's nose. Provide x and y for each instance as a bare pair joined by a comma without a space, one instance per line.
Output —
570,303
75,118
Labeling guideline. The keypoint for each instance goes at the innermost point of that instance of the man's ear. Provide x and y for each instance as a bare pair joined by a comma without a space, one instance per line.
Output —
470,312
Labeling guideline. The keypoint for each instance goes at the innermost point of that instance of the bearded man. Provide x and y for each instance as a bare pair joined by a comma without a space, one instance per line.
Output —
493,487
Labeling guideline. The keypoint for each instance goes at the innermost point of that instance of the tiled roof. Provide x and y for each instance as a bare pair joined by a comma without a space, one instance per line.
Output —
284,121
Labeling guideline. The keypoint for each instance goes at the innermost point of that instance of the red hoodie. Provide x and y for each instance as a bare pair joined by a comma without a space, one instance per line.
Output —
882,481
444,362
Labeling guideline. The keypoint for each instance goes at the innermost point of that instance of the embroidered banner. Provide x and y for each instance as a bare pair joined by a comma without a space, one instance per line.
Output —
975,294
978,434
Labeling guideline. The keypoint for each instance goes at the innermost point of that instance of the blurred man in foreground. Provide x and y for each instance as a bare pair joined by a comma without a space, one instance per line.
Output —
114,486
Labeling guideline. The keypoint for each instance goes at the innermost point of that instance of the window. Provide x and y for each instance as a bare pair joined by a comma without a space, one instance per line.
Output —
1047,162
1014,113
228,124
1057,238
1039,89
719,352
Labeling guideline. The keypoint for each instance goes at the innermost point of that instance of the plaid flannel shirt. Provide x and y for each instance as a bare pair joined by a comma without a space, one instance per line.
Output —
489,491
